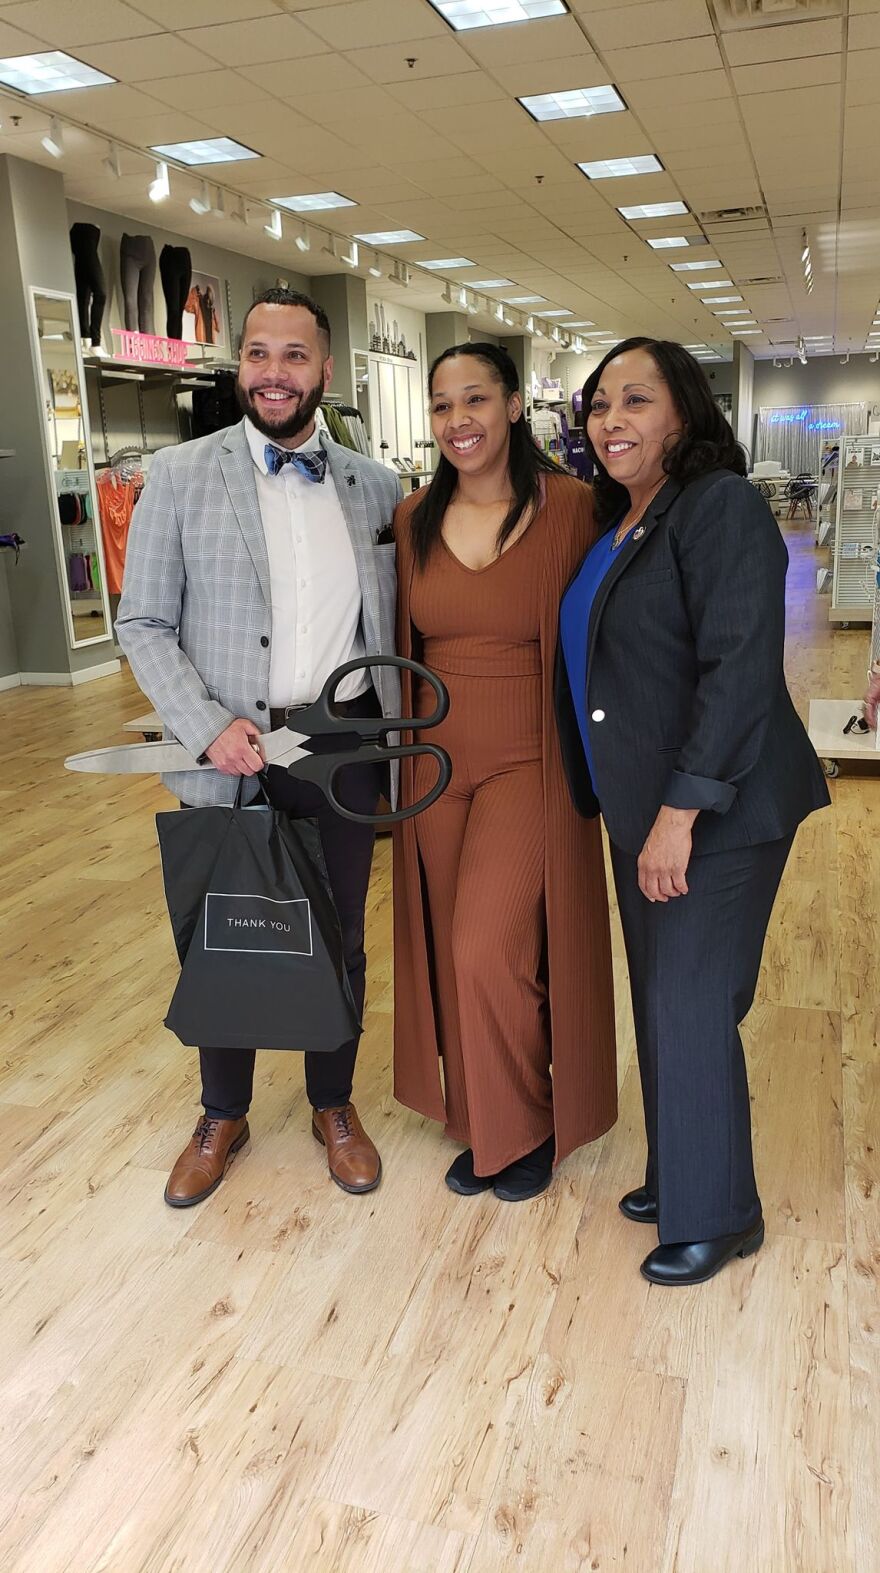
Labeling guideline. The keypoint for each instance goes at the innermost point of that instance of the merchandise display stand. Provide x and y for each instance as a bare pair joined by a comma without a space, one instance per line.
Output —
830,731
854,546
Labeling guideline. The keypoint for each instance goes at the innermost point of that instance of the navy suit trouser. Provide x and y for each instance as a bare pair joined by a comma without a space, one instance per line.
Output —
693,966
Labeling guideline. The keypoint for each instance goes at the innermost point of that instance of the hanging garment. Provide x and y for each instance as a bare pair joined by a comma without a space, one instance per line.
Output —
77,572
91,286
116,503
215,407
200,302
175,268
137,261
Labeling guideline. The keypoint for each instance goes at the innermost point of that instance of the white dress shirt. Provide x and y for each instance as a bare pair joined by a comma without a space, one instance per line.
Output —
316,594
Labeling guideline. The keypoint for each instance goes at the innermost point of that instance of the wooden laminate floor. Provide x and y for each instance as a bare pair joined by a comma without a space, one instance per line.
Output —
288,1378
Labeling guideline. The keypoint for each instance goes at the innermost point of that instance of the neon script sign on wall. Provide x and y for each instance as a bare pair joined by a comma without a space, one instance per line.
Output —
801,417
150,349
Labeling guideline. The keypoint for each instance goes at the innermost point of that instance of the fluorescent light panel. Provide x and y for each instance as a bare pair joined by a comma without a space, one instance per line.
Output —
616,168
692,267
52,72
447,262
390,237
556,311
573,104
715,300
314,202
654,210
208,150
582,323
491,284
528,300
466,14
709,283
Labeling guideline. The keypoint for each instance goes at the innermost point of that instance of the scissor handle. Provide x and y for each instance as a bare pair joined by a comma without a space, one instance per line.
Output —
321,770
322,716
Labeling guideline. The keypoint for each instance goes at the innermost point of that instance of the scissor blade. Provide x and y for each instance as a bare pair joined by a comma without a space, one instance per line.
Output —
135,759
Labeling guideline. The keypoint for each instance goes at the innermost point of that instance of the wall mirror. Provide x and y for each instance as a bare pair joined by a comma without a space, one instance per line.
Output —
69,469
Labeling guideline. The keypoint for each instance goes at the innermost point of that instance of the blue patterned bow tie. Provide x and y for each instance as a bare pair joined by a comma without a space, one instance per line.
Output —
312,465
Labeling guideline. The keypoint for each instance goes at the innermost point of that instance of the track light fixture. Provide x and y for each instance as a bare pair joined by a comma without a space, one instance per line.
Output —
303,242
218,206
375,270
111,161
239,212
201,204
160,187
351,257
53,141
401,274
274,226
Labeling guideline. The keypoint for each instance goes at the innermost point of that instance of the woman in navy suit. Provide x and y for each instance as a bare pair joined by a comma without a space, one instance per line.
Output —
676,723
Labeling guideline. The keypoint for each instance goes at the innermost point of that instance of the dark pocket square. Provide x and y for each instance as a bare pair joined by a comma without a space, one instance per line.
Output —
385,537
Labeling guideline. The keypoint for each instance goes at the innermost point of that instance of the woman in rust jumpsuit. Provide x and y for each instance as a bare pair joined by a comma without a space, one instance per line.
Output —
502,949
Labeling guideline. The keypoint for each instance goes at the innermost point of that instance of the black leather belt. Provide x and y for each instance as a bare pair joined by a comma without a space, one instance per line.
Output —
366,704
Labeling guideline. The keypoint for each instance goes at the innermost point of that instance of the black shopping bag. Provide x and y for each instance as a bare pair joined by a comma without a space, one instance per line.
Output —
256,932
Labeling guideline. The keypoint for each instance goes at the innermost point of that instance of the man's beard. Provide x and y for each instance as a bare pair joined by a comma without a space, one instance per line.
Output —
295,423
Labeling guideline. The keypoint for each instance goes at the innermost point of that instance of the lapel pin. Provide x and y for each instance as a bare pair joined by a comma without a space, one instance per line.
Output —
637,534
352,480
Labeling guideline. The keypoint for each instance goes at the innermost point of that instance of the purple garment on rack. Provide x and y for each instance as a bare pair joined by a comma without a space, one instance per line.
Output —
78,572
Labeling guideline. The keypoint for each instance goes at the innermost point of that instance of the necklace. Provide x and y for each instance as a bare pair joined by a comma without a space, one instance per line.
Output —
626,525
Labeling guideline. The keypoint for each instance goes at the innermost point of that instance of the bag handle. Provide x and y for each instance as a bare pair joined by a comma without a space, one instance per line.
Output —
237,804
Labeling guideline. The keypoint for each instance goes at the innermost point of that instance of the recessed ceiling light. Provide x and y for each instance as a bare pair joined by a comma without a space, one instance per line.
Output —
729,311
53,72
709,283
526,300
577,101
581,324
616,168
314,202
817,338
692,267
447,262
745,333
557,311
464,14
654,210
696,346
207,150
492,284
715,300
389,237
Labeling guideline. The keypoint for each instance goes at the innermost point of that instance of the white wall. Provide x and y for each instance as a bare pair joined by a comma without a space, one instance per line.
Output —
822,381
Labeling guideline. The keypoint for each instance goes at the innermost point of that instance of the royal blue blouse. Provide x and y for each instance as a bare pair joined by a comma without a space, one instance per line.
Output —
574,626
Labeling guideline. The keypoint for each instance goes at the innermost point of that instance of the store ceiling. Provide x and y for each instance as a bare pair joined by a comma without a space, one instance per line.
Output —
419,125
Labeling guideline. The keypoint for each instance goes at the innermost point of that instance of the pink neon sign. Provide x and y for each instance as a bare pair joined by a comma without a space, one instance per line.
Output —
150,349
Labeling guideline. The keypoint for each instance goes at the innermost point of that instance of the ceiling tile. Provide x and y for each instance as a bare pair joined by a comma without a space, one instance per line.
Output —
813,72
358,106
656,23
159,55
456,91
553,76
653,62
553,39
753,45
668,93
205,90
362,23
104,106
14,42
203,13
85,22
388,62
255,43
327,74
168,125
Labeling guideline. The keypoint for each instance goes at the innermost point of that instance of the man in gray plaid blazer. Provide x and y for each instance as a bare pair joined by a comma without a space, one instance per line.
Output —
259,559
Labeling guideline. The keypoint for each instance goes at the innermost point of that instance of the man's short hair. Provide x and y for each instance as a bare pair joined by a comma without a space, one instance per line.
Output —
291,297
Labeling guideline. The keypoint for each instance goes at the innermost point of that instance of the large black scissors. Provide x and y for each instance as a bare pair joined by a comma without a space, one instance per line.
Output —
316,742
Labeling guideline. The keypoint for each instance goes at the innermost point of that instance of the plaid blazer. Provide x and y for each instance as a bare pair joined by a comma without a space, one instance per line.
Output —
196,601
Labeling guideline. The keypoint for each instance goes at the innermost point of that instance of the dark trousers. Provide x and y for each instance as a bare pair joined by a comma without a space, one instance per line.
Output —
137,263
91,286
228,1074
175,270
693,966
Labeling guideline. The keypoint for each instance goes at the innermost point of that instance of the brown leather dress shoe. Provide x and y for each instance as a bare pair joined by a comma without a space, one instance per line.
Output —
202,1165
354,1162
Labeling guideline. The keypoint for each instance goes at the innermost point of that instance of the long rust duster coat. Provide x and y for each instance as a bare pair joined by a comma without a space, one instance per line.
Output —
579,971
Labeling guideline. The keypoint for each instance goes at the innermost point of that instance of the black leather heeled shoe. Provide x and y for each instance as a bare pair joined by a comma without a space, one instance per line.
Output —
639,1205
460,1176
694,1263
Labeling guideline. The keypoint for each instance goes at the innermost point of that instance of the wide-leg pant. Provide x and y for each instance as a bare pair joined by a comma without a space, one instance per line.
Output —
693,966
482,850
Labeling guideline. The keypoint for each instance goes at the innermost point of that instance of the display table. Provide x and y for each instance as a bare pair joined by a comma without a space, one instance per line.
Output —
828,717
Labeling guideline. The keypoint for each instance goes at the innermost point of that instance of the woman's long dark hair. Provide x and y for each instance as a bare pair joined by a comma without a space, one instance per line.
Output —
706,443
526,461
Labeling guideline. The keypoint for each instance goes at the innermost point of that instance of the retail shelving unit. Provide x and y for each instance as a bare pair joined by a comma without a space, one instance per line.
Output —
858,488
